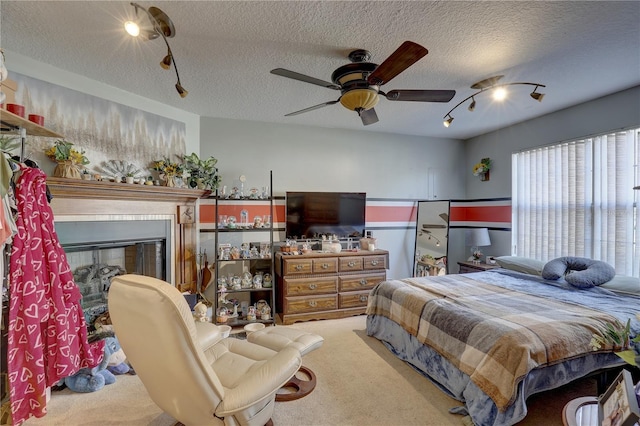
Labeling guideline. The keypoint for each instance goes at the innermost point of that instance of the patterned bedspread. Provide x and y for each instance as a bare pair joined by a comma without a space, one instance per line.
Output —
493,334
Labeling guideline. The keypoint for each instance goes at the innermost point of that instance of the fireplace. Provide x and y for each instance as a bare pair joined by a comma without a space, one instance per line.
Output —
98,250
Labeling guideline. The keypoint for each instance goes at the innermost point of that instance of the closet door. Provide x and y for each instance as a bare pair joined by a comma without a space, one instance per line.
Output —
432,237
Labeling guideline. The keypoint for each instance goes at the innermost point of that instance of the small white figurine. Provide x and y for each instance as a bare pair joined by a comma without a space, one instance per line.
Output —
200,312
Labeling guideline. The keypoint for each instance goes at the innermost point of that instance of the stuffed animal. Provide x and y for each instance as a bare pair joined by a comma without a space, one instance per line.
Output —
94,379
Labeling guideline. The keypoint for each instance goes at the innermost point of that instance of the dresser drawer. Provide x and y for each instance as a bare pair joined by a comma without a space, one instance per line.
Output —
303,286
360,282
300,305
374,262
351,263
325,266
297,266
353,299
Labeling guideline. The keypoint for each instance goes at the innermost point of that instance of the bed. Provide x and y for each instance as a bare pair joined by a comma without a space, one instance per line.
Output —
492,339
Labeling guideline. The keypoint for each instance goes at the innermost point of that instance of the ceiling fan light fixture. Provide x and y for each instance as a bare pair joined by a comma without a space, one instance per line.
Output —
360,99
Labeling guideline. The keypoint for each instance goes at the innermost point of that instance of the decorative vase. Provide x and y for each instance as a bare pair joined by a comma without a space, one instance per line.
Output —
129,179
170,181
66,169
484,176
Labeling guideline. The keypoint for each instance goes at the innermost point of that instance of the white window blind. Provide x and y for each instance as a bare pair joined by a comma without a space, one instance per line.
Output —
577,199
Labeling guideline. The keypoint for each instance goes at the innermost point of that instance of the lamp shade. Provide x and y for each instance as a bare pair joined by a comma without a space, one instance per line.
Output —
359,99
477,237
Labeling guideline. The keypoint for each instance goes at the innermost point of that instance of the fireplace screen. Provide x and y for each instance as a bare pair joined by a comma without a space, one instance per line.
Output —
98,251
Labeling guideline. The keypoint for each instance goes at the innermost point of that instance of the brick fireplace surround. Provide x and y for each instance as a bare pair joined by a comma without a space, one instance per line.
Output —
80,200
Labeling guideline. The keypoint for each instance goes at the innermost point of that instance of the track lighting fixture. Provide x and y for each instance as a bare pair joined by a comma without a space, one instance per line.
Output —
499,93
430,236
161,26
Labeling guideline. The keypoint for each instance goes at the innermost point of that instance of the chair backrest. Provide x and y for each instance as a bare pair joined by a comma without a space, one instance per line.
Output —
156,330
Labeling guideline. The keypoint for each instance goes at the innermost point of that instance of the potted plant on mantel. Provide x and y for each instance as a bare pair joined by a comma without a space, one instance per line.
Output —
69,160
203,173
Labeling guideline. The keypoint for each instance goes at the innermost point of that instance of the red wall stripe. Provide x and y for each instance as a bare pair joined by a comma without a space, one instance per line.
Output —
388,214
391,213
480,214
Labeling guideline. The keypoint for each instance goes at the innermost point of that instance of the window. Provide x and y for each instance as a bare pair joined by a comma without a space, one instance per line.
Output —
577,199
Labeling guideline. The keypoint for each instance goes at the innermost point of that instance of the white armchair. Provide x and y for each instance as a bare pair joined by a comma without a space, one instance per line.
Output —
197,381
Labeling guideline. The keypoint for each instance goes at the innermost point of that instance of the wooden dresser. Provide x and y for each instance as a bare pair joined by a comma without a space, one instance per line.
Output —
327,285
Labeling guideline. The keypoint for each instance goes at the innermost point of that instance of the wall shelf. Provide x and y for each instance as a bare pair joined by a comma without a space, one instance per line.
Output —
11,122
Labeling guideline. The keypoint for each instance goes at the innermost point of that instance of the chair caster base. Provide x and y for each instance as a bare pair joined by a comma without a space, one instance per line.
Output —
302,387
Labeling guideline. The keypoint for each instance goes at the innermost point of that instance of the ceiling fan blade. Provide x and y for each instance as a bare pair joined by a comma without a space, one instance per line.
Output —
421,95
304,78
311,108
368,116
406,55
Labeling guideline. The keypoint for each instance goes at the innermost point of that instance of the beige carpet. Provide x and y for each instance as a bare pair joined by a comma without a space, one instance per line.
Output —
359,383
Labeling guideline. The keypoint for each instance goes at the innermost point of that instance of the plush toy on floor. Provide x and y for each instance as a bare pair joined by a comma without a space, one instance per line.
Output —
94,379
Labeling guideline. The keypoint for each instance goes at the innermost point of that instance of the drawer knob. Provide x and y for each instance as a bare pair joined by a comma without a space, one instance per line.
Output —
363,282
312,303
312,286
363,298
374,263
351,264
325,266
299,267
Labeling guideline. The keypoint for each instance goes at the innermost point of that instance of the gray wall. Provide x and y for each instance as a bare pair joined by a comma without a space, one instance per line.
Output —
305,158
613,112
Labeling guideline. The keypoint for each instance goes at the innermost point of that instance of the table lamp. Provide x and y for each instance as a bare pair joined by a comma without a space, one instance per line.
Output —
477,237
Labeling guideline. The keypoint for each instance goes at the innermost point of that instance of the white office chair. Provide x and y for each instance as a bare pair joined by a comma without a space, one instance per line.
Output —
196,381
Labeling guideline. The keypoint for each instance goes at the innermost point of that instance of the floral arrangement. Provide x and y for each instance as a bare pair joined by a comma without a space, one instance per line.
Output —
477,254
64,151
169,170
617,337
203,174
482,167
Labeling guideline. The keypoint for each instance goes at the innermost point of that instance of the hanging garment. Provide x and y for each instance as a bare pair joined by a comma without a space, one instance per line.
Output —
47,330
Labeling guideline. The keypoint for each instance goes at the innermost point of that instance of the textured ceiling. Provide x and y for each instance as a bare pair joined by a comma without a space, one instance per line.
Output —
225,50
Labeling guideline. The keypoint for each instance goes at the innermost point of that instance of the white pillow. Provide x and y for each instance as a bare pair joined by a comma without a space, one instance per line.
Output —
623,284
521,264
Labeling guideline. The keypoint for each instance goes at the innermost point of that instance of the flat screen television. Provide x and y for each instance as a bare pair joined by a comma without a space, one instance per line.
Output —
314,214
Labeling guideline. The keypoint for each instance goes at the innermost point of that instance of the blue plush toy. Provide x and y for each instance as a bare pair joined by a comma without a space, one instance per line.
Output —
94,379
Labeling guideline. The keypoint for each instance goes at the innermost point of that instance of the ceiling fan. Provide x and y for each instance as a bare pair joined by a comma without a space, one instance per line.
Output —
359,82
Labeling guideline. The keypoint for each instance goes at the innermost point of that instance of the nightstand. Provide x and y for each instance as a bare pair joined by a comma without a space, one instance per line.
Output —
468,267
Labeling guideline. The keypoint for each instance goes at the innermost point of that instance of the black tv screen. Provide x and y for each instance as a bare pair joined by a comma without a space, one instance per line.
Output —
314,214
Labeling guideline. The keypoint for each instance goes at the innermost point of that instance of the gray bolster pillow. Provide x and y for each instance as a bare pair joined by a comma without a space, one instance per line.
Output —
579,271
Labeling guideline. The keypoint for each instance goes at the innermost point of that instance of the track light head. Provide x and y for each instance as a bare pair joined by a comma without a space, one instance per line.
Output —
132,28
472,105
166,62
181,90
537,96
448,121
